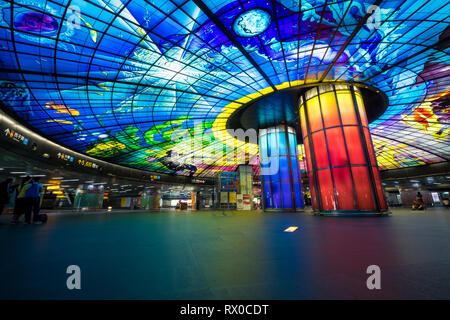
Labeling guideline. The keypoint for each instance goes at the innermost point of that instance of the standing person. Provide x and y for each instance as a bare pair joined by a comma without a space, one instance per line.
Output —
419,196
5,189
34,196
22,203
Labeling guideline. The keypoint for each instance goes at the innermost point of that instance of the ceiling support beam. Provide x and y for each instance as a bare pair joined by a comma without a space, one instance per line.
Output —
347,42
232,38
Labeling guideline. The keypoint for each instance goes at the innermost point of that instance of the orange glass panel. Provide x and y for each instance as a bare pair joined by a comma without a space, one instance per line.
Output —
354,147
303,122
336,147
379,188
363,189
308,156
346,107
313,191
320,149
326,190
314,116
370,147
344,188
362,110
329,109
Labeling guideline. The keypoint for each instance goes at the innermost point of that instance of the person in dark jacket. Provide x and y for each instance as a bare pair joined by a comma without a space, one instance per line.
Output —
34,196
5,190
22,202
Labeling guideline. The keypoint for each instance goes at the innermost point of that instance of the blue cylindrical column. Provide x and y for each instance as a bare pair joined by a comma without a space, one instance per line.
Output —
280,174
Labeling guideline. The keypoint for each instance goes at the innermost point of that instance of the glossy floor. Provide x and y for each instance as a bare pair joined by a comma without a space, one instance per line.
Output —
215,255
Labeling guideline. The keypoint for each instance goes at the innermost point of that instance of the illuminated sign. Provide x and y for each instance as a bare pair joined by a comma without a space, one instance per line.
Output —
435,196
16,136
87,164
64,157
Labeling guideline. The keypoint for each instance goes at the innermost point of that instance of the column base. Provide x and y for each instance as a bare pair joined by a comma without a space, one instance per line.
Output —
350,213
284,210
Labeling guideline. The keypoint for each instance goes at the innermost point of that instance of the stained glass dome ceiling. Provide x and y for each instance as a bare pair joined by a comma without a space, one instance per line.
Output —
128,81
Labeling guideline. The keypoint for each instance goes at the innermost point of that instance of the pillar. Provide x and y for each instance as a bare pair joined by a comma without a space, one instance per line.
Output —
341,162
245,187
279,169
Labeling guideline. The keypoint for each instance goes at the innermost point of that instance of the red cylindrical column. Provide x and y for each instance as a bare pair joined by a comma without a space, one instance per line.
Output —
341,162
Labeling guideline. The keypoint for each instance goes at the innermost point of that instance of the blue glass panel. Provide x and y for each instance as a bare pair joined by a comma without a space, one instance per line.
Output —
263,146
274,167
267,195
292,144
295,171
272,143
276,195
282,145
284,169
286,192
298,195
